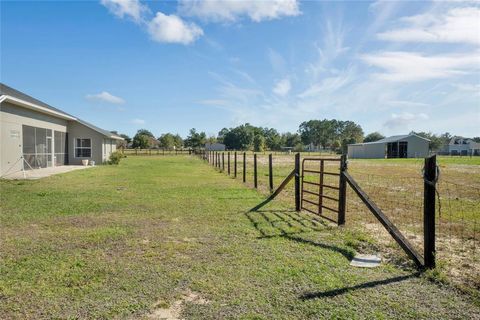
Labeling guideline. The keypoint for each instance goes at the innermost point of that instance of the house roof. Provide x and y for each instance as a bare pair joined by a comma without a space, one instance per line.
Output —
390,139
18,97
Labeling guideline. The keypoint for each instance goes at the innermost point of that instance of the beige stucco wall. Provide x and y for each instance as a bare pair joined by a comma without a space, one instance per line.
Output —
76,130
12,117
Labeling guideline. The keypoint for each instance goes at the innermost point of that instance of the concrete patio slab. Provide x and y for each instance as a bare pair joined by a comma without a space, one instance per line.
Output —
42,172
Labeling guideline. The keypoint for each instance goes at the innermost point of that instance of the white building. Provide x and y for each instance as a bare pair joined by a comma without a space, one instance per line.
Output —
463,146
36,135
404,146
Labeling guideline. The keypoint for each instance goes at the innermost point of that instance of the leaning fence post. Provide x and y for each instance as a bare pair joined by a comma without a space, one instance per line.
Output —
255,170
244,166
235,164
270,171
430,179
342,195
297,181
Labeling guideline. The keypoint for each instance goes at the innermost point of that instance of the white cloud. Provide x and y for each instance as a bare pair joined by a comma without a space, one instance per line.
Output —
404,120
138,121
105,97
458,25
282,87
233,10
413,66
407,104
172,29
467,87
126,8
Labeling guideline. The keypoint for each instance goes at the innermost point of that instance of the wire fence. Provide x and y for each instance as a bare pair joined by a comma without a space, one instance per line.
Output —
398,190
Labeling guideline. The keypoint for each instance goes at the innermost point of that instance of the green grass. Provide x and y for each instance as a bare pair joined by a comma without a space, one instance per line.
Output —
116,241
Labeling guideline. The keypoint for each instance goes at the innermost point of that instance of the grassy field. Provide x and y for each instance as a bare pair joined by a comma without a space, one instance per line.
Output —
159,236
396,186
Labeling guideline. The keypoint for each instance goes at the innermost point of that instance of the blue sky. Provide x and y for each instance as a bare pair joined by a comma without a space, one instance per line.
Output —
390,66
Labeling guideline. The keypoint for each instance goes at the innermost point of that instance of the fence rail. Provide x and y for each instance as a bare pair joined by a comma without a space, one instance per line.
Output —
433,221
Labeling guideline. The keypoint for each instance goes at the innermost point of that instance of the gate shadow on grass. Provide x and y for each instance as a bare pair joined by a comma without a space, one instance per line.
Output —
290,224
275,224
371,284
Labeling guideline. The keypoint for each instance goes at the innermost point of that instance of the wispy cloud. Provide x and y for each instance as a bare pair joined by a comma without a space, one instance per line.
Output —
231,11
172,29
104,96
404,120
138,121
282,87
413,66
132,9
458,25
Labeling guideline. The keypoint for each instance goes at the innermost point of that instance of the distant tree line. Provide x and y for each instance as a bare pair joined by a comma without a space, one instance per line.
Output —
327,134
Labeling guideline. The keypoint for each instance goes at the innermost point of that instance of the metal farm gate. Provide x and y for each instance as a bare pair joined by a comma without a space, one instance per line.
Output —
320,189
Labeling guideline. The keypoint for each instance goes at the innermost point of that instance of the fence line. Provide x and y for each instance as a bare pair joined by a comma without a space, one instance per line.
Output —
445,228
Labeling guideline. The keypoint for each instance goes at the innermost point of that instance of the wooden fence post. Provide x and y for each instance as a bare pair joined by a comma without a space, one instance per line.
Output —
270,171
235,164
228,160
223,161
244,167
255,170
430,180
342,193
297,182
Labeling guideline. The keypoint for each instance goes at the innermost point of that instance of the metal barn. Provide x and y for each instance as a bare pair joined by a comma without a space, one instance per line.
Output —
402,146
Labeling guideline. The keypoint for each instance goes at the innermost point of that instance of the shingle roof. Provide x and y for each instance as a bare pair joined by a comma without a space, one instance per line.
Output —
9,91
389,139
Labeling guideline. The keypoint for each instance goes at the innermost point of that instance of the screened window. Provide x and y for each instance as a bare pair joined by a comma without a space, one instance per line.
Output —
83,148
37,146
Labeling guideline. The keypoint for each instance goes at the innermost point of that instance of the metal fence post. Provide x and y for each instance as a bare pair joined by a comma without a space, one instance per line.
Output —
235,164
244,166
342,193
297,181
430,179
255,171
270,171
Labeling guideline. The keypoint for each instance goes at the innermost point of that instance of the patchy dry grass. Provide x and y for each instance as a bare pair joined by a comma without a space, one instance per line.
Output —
131,241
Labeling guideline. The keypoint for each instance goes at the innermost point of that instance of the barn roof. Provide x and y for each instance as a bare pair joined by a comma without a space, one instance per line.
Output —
389,139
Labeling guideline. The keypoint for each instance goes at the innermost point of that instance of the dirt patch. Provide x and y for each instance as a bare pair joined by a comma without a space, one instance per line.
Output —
174,312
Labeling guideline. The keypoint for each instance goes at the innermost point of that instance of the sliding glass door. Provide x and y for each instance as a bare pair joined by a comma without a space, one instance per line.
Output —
61,148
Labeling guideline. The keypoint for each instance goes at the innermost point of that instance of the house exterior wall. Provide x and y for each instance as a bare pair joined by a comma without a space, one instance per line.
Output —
367,151
109,146
77,130
469,148
417,147
12,118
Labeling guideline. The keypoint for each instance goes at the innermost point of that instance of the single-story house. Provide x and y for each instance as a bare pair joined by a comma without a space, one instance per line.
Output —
36,135
214,147
462,146
403,146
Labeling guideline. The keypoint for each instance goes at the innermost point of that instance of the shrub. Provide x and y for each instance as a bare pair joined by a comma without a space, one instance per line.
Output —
115,158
